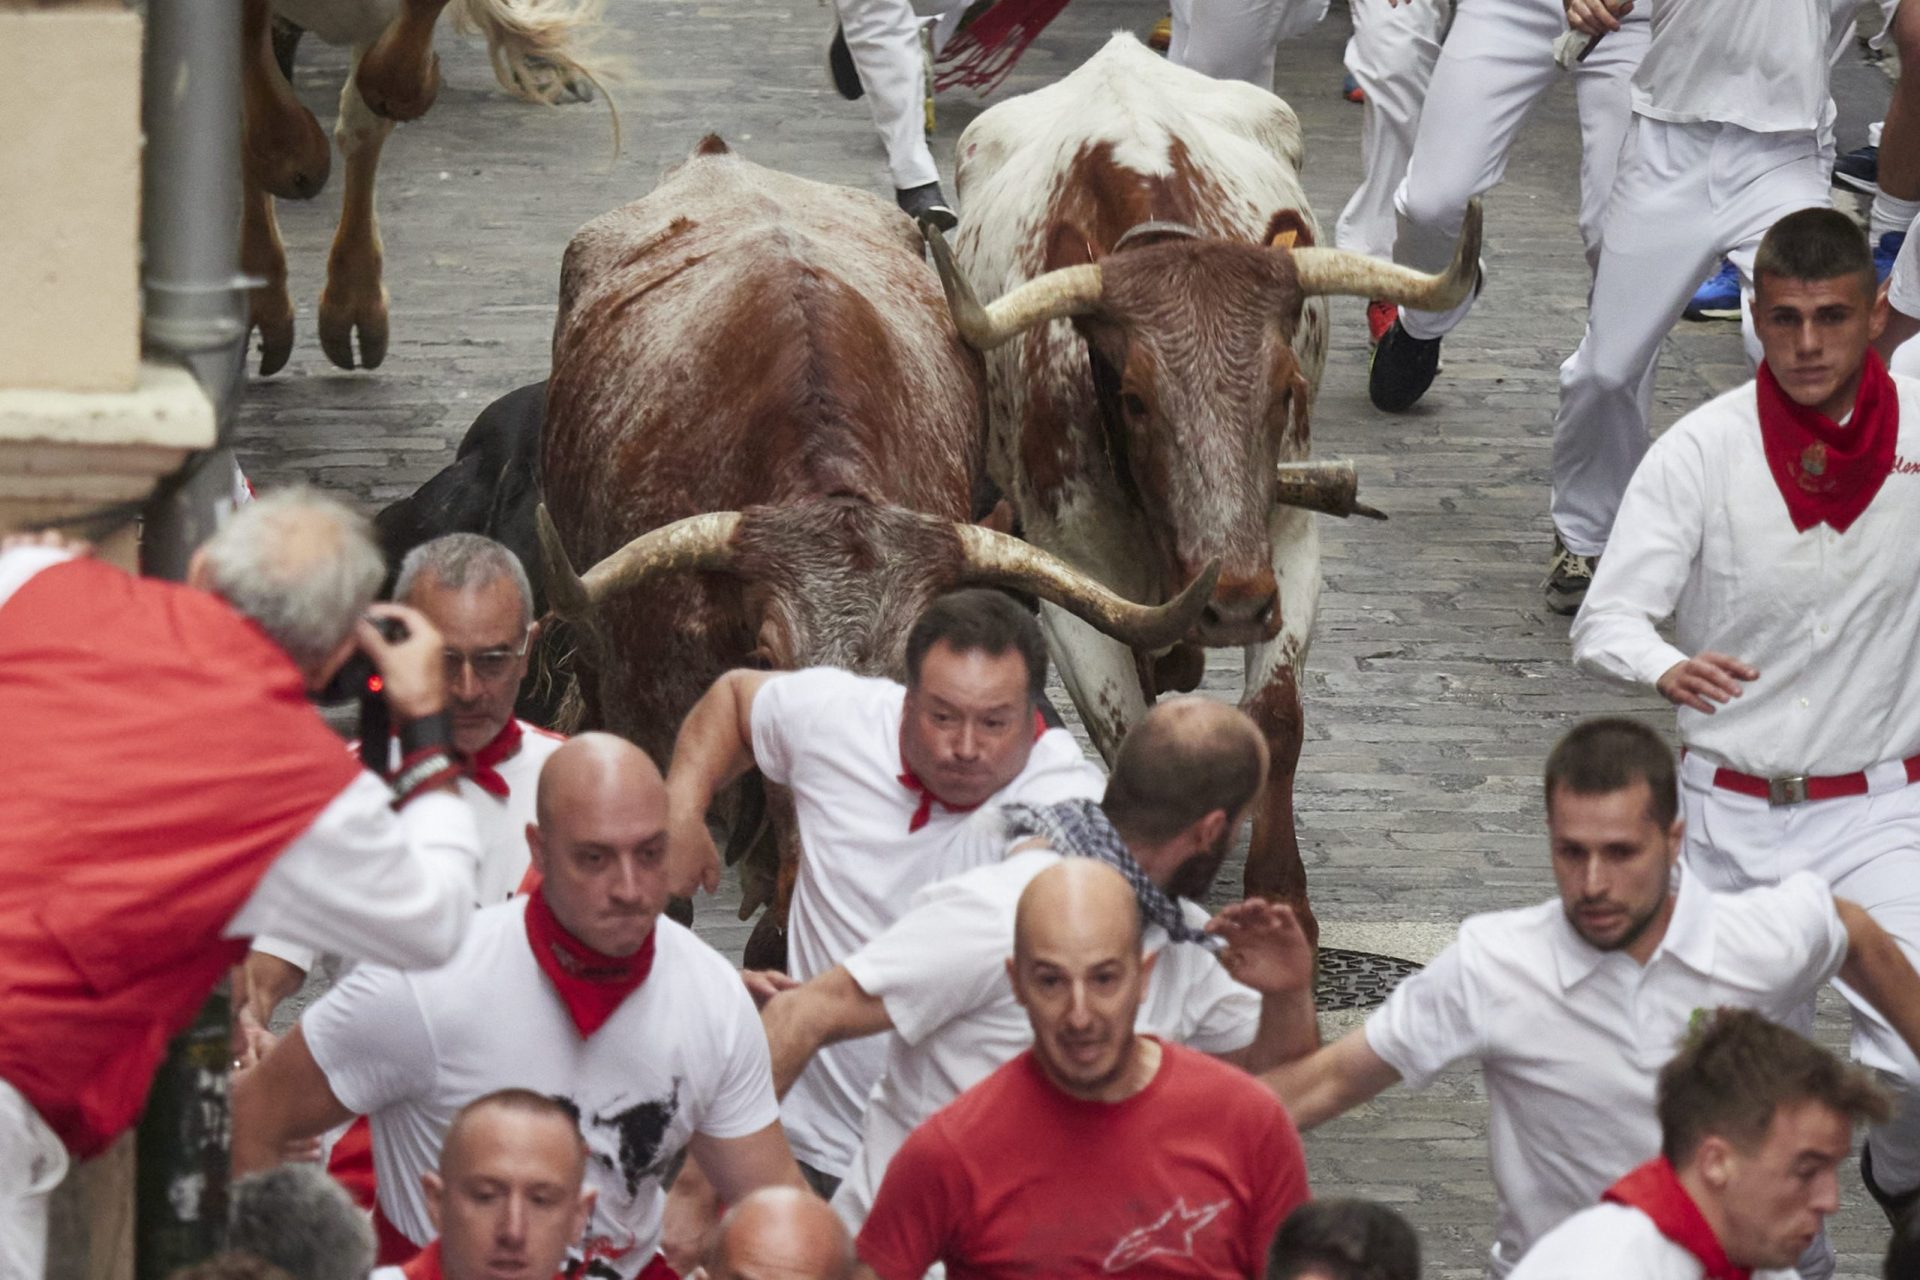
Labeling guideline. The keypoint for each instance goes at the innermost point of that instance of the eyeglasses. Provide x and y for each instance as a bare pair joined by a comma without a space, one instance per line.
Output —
488,665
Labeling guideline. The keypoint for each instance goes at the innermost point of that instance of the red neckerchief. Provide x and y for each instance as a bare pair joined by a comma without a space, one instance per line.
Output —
424,1265
1655,1190
1826,471
480,765
923,812
589,984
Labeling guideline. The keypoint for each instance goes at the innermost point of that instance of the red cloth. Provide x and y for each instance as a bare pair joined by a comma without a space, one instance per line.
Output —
164,754
1189,1177
1826,471
923,813
589,984
480,765
982,53
1655,1190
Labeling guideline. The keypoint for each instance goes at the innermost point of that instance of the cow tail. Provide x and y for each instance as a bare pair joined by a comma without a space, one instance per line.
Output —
542,49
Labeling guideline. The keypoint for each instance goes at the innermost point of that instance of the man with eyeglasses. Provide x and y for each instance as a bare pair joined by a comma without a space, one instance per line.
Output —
475,592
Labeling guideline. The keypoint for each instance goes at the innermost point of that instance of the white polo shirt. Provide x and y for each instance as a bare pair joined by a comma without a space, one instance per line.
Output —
1615,1242
1570,1039
941,971
833,738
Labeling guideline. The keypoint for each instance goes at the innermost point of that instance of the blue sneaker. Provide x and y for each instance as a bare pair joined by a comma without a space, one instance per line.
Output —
1885,252
1718,298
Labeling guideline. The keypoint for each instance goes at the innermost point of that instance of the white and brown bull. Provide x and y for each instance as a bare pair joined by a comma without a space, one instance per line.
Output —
395,77
1156,342
764,434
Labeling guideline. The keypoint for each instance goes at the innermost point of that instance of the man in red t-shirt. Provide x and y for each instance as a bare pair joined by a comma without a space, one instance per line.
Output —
1098,1150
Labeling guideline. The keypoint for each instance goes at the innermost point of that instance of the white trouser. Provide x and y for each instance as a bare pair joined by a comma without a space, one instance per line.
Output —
1235,39
1866,847
1391,54
32,1163
1686,194
884,38
1496,63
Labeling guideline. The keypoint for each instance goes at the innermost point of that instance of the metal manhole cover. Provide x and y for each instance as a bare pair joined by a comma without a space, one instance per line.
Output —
1357,979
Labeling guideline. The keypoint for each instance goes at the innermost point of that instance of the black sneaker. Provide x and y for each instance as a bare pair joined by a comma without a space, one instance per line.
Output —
1859,170
1402,369
927,204
846,76
1568,577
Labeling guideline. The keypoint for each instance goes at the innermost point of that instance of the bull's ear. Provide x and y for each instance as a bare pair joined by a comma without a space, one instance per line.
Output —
1069,246
1288,229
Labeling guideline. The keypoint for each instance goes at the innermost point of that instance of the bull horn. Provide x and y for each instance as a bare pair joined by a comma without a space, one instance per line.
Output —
1337,271
1070,291
1002,560
696,544
1331,488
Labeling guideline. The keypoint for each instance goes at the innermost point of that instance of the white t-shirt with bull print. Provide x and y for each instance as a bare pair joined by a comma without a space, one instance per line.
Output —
683,1054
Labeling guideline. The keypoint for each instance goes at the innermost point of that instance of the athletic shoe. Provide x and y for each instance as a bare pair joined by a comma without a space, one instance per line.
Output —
1350,89
1402,369
846,76
1718,298
927,204
1568,577
1380,317
1161,36
1885,252
1859,170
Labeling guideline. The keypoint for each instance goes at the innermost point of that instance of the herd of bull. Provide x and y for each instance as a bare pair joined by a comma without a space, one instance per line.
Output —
772,431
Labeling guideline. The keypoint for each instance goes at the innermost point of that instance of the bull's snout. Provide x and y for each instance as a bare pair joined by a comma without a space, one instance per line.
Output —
1245,609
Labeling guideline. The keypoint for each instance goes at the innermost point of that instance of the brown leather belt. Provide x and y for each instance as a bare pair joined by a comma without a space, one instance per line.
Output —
1798,789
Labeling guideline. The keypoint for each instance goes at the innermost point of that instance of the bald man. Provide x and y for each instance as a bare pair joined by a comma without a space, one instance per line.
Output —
579,990
1098,1149
779,1234
509,1195
1183,782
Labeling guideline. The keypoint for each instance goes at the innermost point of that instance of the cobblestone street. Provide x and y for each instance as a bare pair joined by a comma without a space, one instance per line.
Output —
1437,678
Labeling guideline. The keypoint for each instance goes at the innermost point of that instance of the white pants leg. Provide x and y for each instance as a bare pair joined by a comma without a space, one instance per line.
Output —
1496,63
1685,195
32,1163
884,38
1235,39
1392,55
1868,848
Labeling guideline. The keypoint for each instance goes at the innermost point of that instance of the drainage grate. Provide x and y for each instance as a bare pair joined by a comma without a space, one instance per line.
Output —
1357,979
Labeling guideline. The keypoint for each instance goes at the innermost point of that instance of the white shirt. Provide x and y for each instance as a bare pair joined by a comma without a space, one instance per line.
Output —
500,823
361,880
1759,64
834,739
1615,1242
683,1054
1830,620
941,972
1570,1039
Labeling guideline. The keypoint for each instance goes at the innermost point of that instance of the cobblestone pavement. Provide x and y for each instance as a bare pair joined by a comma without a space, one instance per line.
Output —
1437,678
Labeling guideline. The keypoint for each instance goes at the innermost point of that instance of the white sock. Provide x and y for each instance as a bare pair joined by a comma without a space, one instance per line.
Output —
1890,214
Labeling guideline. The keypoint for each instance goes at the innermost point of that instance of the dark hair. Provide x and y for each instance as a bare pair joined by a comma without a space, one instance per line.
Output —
984,620
299,1219
1599,757
1815,244
1734,1072
1344,1240
1181,762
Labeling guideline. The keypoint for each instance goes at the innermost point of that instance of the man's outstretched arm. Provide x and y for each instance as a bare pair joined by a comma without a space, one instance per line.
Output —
1331,1080
284,1099
715,746
831,1008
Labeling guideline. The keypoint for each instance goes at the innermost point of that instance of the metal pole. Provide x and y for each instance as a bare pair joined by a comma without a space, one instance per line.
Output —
196,306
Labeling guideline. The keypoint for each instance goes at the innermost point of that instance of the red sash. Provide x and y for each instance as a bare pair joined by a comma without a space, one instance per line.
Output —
1826,471
923,812
481,766
589,984
1655,1190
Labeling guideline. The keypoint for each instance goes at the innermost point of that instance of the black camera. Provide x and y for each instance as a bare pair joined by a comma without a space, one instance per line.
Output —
358,679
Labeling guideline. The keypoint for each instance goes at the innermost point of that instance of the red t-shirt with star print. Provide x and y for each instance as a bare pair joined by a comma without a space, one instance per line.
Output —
1189,1177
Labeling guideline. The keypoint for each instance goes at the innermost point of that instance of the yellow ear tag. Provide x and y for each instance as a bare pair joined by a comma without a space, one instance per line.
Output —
1285,239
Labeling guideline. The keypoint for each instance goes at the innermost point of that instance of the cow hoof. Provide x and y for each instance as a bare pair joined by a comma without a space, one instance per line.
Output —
272,315
400,93
341,318
536,79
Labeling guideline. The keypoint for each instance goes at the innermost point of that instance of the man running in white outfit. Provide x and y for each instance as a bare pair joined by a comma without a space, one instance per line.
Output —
1499,58
1236,39
1776,526
1729,109
1571,1007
